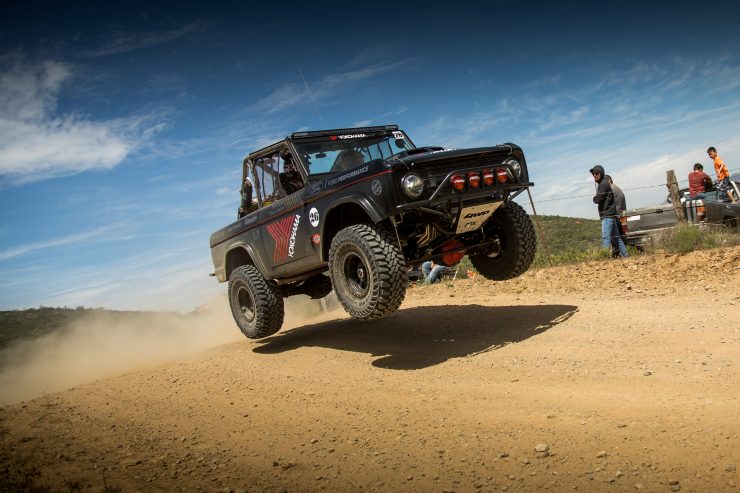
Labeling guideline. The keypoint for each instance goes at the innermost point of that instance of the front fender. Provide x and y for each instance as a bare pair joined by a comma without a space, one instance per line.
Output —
371,209
356,208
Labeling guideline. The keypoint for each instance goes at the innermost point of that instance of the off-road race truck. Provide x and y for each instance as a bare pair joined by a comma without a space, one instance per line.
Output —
362,205
643,224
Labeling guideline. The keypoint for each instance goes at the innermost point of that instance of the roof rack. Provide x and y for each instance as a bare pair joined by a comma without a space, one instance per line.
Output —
324,133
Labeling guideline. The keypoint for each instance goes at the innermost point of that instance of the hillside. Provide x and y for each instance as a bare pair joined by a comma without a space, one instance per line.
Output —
18,325
569,233
566,239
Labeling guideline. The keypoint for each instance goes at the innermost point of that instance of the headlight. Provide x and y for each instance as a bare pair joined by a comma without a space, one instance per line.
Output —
412,185
515,166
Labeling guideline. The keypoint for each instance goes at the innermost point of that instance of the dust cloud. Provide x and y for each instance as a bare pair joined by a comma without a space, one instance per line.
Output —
106,344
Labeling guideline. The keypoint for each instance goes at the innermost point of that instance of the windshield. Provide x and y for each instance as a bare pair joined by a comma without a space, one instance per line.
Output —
337,153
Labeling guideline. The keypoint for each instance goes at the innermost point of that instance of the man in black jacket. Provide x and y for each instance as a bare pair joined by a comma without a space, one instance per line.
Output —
604,199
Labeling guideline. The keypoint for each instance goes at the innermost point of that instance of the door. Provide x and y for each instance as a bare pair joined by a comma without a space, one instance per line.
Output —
284,227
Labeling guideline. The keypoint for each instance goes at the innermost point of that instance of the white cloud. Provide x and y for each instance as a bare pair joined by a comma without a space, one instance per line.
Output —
151,281
281,98
36,143
382,119
295,93
638,122
123,42
66,240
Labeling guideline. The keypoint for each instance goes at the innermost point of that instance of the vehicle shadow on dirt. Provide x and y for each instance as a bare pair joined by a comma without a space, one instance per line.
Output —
420,337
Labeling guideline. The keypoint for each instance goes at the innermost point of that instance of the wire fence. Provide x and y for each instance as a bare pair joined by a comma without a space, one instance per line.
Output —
660,185
664,185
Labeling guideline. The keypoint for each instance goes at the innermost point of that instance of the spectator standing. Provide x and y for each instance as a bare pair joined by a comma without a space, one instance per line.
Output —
604,199
723,174
698,181
620,203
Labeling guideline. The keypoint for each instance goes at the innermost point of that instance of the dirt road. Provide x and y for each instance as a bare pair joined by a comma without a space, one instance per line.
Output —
615,376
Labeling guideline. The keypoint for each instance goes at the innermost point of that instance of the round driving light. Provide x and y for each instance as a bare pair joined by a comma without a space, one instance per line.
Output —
515,167
502,175
412,185
487,177
458,182
473,179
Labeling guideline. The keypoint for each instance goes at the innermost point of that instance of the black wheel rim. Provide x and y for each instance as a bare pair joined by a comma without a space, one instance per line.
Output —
357,275
496,249
245,302
492,231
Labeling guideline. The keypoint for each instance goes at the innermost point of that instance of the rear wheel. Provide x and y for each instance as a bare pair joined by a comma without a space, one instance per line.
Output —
516,244
367,271
256,305
730,223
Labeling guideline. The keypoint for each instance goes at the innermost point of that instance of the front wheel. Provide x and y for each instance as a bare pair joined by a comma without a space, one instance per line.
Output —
256,305
367,271
516,244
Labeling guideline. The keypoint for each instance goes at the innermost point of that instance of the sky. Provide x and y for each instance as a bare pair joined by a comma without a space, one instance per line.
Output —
123,125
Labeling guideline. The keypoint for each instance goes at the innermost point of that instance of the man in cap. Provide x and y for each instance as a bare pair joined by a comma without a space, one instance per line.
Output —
604,199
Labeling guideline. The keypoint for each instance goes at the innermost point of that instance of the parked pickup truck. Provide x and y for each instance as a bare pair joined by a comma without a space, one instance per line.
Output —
641,224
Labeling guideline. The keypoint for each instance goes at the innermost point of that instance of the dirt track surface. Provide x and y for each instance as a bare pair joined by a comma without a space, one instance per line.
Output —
615,376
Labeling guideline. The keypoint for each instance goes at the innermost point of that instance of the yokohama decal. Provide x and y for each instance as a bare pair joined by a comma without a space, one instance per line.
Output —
284,233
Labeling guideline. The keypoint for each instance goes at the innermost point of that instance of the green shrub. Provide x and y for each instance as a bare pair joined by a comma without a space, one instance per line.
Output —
687,238
570,256
684,239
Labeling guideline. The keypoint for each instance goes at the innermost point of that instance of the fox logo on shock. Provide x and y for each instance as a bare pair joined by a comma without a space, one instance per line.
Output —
284,233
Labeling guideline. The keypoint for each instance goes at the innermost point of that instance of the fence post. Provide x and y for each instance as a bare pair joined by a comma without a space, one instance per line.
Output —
542,232
672,185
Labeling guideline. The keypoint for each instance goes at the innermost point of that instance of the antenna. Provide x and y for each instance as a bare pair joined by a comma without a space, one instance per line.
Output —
311,95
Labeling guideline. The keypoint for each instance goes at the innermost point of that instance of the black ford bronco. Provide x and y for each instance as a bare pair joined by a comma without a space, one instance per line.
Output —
364,204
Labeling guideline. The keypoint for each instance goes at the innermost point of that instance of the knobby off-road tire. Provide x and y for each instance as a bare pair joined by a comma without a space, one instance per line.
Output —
367,271
257,306
517,247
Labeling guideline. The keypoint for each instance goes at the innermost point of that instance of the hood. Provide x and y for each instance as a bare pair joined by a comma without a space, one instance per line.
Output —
439,159
600,169
429,156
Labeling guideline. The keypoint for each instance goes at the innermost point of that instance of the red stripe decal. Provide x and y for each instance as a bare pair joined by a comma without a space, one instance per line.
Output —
280,232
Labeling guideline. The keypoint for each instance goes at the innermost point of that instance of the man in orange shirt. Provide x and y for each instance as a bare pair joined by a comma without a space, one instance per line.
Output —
723,174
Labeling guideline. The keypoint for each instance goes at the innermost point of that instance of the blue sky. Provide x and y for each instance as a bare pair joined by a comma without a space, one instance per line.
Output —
122,128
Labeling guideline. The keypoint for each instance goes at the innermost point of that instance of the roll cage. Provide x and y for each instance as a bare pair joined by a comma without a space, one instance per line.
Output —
311,155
